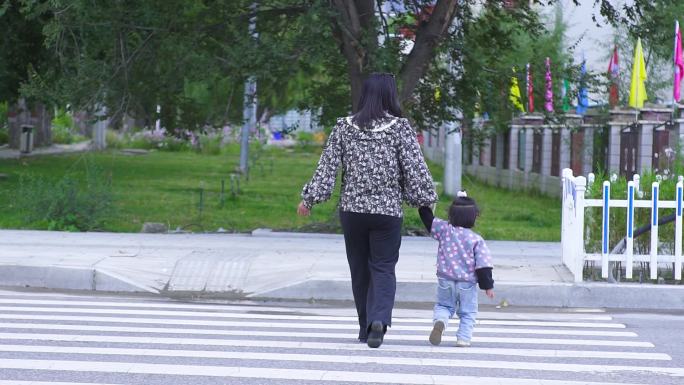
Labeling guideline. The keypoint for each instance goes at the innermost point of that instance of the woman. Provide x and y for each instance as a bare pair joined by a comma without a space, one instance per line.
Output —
382,165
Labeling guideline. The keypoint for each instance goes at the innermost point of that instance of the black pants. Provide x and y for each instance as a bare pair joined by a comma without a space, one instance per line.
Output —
372,242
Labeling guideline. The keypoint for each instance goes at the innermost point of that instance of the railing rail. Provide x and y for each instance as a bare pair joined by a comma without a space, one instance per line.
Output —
572,228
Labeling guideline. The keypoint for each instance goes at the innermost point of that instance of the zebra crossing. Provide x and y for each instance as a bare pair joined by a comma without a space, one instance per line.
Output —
69,339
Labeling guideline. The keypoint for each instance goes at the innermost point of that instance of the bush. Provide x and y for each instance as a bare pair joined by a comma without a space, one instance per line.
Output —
62,135
157,140
319,138
62,125
210,144
229,135
138,142
79,201
116,140
305,138
63,119
4,129
173,144
4,135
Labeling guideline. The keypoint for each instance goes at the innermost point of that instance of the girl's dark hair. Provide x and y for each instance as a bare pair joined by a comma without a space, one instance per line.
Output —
463,212
378,98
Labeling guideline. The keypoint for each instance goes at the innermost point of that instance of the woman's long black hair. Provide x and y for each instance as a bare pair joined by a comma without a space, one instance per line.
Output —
378,98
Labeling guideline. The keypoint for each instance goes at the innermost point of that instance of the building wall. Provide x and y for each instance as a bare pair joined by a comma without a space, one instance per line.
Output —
433,145
519,176
304,120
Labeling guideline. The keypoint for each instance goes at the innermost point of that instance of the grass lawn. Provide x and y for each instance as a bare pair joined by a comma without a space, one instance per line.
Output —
165,187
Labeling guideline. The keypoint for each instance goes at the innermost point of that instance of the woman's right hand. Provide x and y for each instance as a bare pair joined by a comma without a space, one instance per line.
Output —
302,210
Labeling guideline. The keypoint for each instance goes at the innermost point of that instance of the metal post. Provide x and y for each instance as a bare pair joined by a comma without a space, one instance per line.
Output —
605,237
453,167
654,230
629,245
678,232
566,241
581,187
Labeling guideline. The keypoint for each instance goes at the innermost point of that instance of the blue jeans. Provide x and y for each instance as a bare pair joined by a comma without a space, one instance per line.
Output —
460,298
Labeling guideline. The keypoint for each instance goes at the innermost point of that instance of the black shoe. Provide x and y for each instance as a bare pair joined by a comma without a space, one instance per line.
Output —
376,334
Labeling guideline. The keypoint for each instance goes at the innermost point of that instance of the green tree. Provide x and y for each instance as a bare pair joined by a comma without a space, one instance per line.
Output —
21,49
193,56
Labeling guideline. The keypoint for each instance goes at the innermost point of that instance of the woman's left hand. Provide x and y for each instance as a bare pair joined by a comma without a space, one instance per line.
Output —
302,210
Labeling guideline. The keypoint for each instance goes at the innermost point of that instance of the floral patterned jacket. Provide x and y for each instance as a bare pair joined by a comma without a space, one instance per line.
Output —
381,167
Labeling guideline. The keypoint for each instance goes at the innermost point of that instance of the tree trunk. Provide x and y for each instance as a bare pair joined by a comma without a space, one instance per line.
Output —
356,80
354,19
427,38
355,26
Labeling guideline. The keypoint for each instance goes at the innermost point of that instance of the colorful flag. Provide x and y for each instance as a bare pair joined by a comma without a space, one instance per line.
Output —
514,95
565,95
613,75
582,98
530,90
637,90
678,64
548,95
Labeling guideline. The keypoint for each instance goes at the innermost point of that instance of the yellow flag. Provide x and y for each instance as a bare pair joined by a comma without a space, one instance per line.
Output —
514,95
637,90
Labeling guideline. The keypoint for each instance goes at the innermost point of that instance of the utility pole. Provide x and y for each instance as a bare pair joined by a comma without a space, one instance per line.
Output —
250,102
453,167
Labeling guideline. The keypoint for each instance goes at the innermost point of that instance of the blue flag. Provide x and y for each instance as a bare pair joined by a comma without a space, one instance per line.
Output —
582,98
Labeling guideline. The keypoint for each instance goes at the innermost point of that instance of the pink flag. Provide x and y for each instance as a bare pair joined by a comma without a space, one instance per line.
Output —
613,75
530,90
678,64
548,95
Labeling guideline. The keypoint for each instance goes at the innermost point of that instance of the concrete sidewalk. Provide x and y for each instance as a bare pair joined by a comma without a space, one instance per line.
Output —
297,266
55,149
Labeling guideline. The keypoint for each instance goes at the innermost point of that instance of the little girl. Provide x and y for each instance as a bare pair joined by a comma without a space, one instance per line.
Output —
463,260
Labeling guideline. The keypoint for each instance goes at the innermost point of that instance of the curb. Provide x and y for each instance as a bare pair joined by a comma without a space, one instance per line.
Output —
68,278
269,233
587,294
593,295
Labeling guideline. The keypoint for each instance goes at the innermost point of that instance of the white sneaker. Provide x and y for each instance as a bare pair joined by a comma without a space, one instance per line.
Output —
462,343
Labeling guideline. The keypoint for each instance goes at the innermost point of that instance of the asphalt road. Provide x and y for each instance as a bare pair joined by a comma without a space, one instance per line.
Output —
58,338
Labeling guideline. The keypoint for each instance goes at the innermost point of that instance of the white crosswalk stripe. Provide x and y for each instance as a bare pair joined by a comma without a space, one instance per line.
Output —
291,325
65,340
601,325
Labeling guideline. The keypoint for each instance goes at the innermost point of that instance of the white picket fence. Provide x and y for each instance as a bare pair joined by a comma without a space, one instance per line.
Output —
572,228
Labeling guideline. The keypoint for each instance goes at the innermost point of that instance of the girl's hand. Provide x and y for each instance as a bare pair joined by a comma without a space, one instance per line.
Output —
490,293
302,210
